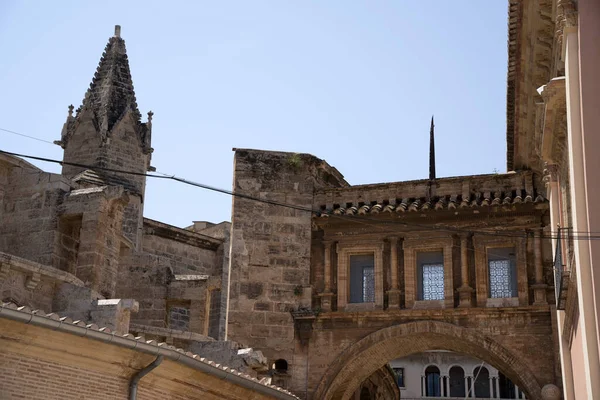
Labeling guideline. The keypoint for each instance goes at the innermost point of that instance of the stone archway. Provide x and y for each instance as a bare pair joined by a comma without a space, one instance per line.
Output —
360,360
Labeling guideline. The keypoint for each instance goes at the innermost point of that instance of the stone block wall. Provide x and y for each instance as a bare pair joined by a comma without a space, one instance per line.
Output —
28,218
179,302
144,278
271,246
185,252
98,213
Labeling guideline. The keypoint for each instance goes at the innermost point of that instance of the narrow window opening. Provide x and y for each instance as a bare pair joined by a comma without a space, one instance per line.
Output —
280,366
362,279
214,313
399,376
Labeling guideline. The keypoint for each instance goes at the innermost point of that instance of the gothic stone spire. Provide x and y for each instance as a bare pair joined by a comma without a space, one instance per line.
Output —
431,152
110,96
111,93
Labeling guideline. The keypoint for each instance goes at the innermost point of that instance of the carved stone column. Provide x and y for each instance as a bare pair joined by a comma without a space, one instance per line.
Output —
465,292
539,288
394,293
327,294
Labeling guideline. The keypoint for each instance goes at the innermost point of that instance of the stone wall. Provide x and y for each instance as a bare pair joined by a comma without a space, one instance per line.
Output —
144,278
185,252
28,218
270,252
99,216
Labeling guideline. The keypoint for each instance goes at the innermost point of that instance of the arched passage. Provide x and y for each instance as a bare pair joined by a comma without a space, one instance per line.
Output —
360,360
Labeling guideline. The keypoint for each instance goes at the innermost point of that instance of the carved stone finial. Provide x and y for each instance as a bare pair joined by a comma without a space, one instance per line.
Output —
150,114
71,110
551,392
118,31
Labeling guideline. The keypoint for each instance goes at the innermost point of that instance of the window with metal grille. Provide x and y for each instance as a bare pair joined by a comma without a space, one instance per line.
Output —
362,279
430,275
433,281
502,273
368,278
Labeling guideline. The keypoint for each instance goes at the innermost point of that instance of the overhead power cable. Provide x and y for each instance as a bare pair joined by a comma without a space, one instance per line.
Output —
27,136
159,175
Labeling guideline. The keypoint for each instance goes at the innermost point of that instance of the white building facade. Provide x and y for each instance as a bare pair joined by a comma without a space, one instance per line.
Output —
444,374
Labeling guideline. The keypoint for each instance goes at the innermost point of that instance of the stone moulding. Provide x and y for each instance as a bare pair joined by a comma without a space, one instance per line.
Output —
35,271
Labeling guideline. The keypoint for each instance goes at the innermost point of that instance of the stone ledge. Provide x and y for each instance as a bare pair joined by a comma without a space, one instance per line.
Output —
171,232
8,262
172,333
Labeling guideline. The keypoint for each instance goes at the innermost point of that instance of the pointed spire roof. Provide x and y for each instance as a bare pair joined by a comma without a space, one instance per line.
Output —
111,92
431,152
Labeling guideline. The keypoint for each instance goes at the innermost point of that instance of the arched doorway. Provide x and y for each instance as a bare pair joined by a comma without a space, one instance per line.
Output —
357,362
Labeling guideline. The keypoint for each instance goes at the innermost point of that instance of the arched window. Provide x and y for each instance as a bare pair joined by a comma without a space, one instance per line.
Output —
482,383
281,366
432,381
507,388
365,394
457,382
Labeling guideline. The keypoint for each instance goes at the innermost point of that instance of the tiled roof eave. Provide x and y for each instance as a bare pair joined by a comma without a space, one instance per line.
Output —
92,331
456,208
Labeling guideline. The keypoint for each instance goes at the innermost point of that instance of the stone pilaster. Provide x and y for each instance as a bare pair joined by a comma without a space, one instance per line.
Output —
327,295
394,293
539,288
465,292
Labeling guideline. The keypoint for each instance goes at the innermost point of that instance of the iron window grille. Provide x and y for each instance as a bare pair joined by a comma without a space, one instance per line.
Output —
433,281
368,284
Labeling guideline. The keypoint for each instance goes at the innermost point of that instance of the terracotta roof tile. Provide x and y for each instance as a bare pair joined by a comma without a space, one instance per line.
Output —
441,203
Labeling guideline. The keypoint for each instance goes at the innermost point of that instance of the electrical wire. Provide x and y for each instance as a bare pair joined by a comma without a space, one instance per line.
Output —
159,175
577,235
27,136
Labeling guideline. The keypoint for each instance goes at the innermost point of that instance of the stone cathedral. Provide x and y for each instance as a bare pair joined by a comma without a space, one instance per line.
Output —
309,295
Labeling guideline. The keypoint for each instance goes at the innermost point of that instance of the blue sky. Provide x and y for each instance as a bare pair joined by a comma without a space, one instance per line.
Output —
352,82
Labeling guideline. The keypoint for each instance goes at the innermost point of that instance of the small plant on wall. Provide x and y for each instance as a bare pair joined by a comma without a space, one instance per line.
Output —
295,161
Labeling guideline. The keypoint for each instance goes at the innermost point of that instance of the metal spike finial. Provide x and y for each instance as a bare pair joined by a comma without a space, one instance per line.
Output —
431,152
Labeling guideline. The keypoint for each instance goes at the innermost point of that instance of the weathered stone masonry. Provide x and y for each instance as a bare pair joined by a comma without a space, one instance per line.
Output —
284,260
